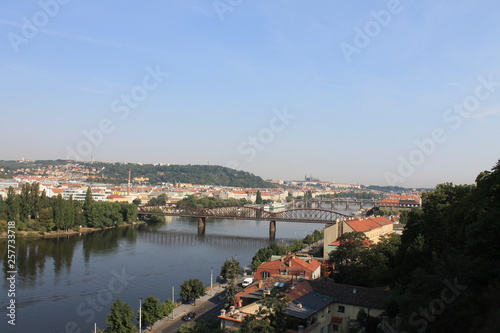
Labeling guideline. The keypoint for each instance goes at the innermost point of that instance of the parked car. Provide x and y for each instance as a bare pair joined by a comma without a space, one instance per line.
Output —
189,316
247,281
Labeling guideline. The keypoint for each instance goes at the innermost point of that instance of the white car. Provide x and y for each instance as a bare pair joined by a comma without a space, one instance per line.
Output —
247,281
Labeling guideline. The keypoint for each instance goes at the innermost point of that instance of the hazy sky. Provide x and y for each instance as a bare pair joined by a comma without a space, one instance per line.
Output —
370,92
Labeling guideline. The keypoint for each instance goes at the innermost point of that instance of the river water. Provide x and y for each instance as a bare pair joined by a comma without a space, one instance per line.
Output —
67,284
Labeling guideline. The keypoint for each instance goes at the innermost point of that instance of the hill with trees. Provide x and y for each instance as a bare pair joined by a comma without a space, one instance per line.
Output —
117,173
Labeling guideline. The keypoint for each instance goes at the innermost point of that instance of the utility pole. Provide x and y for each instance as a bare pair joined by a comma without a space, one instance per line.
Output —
211,278
140,315
173,301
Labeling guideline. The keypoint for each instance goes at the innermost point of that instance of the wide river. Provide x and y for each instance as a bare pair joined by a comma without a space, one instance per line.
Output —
67,284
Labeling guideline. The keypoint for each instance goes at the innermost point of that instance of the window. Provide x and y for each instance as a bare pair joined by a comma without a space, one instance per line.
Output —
341,308
265,274
322,330
335,328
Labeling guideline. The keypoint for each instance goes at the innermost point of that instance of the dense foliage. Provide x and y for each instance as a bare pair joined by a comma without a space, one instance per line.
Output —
209,202
231,269
271,317
152,310
202,326
445,269
120,319
448,268
34,211
264,254
361,266
192,289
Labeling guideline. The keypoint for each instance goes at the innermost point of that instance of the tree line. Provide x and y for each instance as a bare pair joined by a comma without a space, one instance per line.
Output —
444,271
121,317
33,210
210,202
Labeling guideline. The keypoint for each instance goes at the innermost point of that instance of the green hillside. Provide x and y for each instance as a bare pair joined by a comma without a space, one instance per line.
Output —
117,173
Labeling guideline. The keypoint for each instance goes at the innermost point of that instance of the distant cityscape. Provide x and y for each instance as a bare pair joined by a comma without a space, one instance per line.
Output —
71,179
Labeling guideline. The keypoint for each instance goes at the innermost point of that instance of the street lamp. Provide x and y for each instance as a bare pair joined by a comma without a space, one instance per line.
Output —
140,316
211,279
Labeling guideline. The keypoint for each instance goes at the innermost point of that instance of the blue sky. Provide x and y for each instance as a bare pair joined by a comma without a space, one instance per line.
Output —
347,91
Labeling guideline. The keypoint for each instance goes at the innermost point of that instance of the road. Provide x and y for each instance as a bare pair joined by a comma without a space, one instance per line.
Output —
206,308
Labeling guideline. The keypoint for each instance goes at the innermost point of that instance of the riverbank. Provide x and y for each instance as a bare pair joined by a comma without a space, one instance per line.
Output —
62,233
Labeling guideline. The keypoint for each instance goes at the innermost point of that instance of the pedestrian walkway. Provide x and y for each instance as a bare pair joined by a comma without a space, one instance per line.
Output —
162,324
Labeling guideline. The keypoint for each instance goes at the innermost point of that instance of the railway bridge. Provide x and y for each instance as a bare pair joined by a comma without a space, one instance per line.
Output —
303,215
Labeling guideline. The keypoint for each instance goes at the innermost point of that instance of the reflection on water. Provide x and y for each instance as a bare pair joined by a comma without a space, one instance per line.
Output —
58,277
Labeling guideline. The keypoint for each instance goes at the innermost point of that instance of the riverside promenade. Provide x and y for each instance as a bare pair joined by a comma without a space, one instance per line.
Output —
207,308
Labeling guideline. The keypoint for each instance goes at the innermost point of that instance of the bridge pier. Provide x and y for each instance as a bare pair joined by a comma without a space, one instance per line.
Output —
272,230
201,225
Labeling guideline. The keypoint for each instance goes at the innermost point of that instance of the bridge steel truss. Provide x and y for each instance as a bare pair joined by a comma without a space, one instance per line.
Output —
245,213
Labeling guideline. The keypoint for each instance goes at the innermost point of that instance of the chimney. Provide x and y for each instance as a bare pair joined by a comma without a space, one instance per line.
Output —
223,313
128,184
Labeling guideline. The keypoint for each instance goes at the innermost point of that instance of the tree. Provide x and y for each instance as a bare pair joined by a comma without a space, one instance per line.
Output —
137,201
192,289
274,306
25,203
230,270
35,200
167,308
258,198
230,295
347,258
151,310
12,203
201,326
251,324
87,205
120,319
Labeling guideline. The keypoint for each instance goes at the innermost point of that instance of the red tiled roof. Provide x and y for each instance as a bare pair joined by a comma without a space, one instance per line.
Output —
366,243
299,290
368,223
292,261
